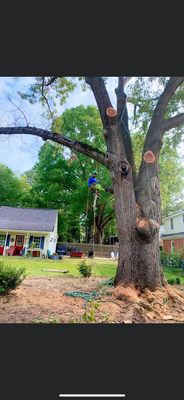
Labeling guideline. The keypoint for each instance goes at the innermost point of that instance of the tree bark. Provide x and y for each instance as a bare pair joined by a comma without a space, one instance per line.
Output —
98,236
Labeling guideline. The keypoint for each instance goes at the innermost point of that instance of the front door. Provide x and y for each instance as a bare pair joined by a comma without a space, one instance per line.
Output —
19,243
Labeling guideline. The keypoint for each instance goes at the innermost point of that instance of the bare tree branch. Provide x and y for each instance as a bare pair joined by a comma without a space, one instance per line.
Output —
19,109
173,122
108,218
165,97
155,131
45,98
123,123
121,97
51,80
83,148
123,80
126,80
101,95
147,193
109,189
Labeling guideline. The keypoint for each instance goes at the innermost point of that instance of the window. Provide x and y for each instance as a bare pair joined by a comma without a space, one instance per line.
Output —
172,223
19,240
36,241
2,240
172,245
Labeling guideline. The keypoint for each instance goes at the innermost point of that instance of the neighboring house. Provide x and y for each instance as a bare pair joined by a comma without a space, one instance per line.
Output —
173,235
28,229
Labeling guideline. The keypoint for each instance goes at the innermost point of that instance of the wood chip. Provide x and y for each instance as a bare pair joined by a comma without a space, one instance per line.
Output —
167,317
150,315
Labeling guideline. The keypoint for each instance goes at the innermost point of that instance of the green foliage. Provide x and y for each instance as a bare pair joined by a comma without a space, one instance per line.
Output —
144,93
10,187
50,320
89,314
10,277
90,317
171,281
47,94
171,260
83,124
85,269
59,181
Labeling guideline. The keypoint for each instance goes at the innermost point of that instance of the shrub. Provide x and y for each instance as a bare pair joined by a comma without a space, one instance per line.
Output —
85,269
172,260
171,281
178,281
10,277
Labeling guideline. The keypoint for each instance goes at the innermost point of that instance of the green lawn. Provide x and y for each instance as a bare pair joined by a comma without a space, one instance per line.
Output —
34,266
173,273
104,268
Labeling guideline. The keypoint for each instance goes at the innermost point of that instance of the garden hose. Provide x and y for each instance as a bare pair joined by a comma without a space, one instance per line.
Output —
86,296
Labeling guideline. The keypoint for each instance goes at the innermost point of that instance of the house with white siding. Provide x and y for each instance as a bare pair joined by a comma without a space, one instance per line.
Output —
173,235
28,230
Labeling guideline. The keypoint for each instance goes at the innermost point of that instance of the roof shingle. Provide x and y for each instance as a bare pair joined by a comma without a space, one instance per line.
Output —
28,219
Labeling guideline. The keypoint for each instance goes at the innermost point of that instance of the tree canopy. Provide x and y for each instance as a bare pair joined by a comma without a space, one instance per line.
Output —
157,108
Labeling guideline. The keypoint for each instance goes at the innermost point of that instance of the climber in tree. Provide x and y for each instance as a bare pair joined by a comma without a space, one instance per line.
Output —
94,185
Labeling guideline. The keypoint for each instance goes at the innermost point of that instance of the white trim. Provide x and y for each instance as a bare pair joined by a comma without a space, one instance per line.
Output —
173,237
172,247
173,215
4,250
18,230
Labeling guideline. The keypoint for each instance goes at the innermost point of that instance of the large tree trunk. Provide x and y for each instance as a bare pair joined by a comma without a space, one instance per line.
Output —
139,263
138,234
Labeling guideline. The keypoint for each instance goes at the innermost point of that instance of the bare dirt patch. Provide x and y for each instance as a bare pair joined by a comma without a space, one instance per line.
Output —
43,299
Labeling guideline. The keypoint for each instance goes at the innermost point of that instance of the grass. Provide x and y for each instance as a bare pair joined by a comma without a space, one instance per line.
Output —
173,273
34,266
103,268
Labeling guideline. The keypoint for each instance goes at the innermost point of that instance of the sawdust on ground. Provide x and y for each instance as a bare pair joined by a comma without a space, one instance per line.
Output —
43,299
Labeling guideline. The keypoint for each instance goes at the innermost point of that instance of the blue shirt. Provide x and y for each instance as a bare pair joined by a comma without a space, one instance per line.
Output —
92,180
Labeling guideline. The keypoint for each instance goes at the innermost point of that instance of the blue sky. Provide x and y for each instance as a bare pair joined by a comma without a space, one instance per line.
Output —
21,152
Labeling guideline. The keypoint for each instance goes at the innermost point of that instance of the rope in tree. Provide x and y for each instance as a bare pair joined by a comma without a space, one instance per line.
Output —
149,190
87,205
149,158
94,214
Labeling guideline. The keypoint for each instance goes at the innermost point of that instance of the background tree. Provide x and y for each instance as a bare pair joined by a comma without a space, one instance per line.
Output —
137,196
59,179
11,188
